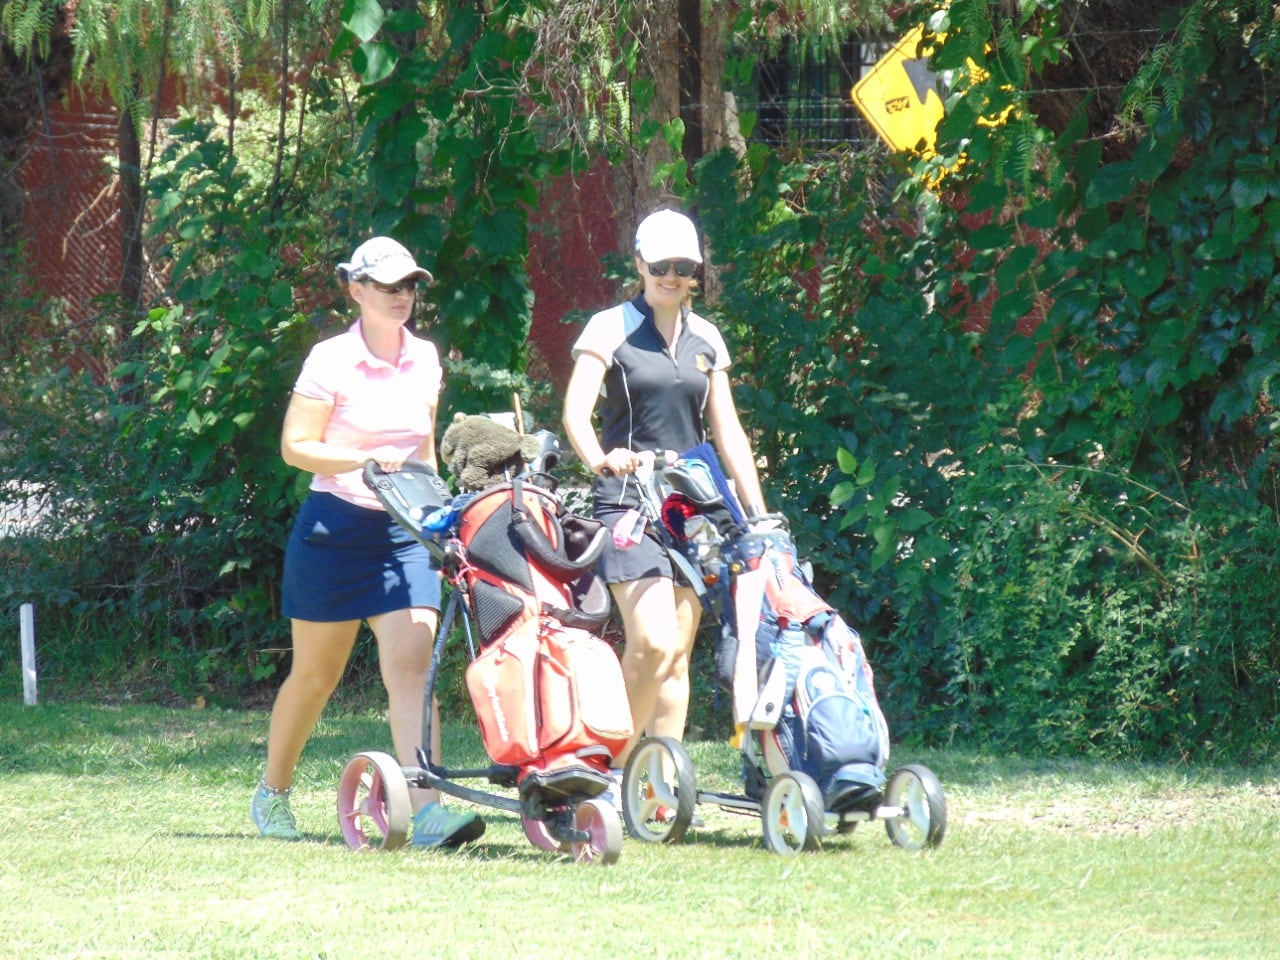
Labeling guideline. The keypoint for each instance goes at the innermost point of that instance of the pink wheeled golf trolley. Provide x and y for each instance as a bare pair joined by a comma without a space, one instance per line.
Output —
548,692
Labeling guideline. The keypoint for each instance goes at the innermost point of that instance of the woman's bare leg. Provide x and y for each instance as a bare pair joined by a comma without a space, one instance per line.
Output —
320,655
671,713
659,626
405,639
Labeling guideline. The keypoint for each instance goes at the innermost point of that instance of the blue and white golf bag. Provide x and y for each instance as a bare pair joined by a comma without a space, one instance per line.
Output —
802,687
803,696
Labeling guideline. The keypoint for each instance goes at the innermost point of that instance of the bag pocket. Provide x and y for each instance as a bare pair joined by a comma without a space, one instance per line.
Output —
839,725
501,682
593,678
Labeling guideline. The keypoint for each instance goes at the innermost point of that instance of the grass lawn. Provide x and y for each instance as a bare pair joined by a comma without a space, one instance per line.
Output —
126,835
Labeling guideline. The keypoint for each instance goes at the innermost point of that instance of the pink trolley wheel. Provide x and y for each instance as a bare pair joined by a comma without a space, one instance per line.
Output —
600,820
539,834
374,810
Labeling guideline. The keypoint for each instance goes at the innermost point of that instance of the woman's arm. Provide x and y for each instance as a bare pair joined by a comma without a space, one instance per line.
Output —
302,443
579,405
731,440
427,449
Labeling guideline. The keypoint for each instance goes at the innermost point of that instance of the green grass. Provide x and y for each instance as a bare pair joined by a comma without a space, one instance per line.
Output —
125,834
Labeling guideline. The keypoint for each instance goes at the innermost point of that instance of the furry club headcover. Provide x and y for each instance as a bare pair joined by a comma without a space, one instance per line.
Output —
481,452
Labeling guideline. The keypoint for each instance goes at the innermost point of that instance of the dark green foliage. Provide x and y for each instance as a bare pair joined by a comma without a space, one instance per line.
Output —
76,563
1091,613
454,163
1183,282
1094,604
1022,425
166,494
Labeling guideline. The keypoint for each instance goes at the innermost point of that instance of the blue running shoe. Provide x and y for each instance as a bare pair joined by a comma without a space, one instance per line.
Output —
436,826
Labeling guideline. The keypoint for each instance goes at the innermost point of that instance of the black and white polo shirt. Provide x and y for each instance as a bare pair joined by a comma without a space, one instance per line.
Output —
651,398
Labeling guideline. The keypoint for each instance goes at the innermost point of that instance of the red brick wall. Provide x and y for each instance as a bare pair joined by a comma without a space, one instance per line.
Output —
71,214
73,222
573,229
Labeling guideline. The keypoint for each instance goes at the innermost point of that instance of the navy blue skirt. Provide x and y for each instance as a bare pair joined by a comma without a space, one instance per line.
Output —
345,562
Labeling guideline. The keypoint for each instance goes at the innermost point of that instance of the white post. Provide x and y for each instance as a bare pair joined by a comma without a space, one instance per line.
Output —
28,654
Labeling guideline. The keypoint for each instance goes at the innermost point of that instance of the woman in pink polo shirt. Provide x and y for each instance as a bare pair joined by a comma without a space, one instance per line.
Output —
368,393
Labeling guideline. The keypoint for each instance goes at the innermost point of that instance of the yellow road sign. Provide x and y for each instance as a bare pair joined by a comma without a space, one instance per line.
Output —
900,98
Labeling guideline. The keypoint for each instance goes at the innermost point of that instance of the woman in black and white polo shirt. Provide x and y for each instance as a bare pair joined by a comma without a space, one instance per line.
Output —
656,373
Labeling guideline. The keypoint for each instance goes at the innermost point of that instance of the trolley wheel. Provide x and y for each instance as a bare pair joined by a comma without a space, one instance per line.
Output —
923,821
792,813
374,810
600,821
538,833
659,791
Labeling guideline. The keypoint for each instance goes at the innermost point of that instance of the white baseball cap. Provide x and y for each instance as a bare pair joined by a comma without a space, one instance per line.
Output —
383,260
667,235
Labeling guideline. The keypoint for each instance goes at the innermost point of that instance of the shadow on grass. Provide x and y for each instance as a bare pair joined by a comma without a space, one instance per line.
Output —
78,739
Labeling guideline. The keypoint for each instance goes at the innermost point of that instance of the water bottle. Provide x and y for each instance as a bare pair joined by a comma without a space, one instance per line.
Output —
439,519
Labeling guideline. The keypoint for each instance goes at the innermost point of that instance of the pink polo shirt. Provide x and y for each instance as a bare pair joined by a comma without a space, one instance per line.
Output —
375,403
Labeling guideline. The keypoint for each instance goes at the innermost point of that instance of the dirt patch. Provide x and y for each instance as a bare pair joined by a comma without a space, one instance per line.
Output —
1107,816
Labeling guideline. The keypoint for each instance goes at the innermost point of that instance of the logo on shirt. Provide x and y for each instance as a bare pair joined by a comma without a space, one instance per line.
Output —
703,363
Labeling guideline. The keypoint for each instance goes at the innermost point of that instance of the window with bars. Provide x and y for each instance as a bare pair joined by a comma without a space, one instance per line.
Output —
801,97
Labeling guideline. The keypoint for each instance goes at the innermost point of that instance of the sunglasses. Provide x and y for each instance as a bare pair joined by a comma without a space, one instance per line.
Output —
684,268
395,289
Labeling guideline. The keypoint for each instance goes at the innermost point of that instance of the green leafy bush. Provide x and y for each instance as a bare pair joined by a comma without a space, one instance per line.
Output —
1017,421
165,493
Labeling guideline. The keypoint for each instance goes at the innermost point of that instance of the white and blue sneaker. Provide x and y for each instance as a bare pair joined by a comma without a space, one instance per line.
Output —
271,814
613,792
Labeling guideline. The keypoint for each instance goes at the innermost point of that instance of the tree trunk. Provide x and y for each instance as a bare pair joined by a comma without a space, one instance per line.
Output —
660,28
129,154
691,73
719,117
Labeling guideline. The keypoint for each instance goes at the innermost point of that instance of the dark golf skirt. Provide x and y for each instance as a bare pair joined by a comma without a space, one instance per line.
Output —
648,558
345,562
